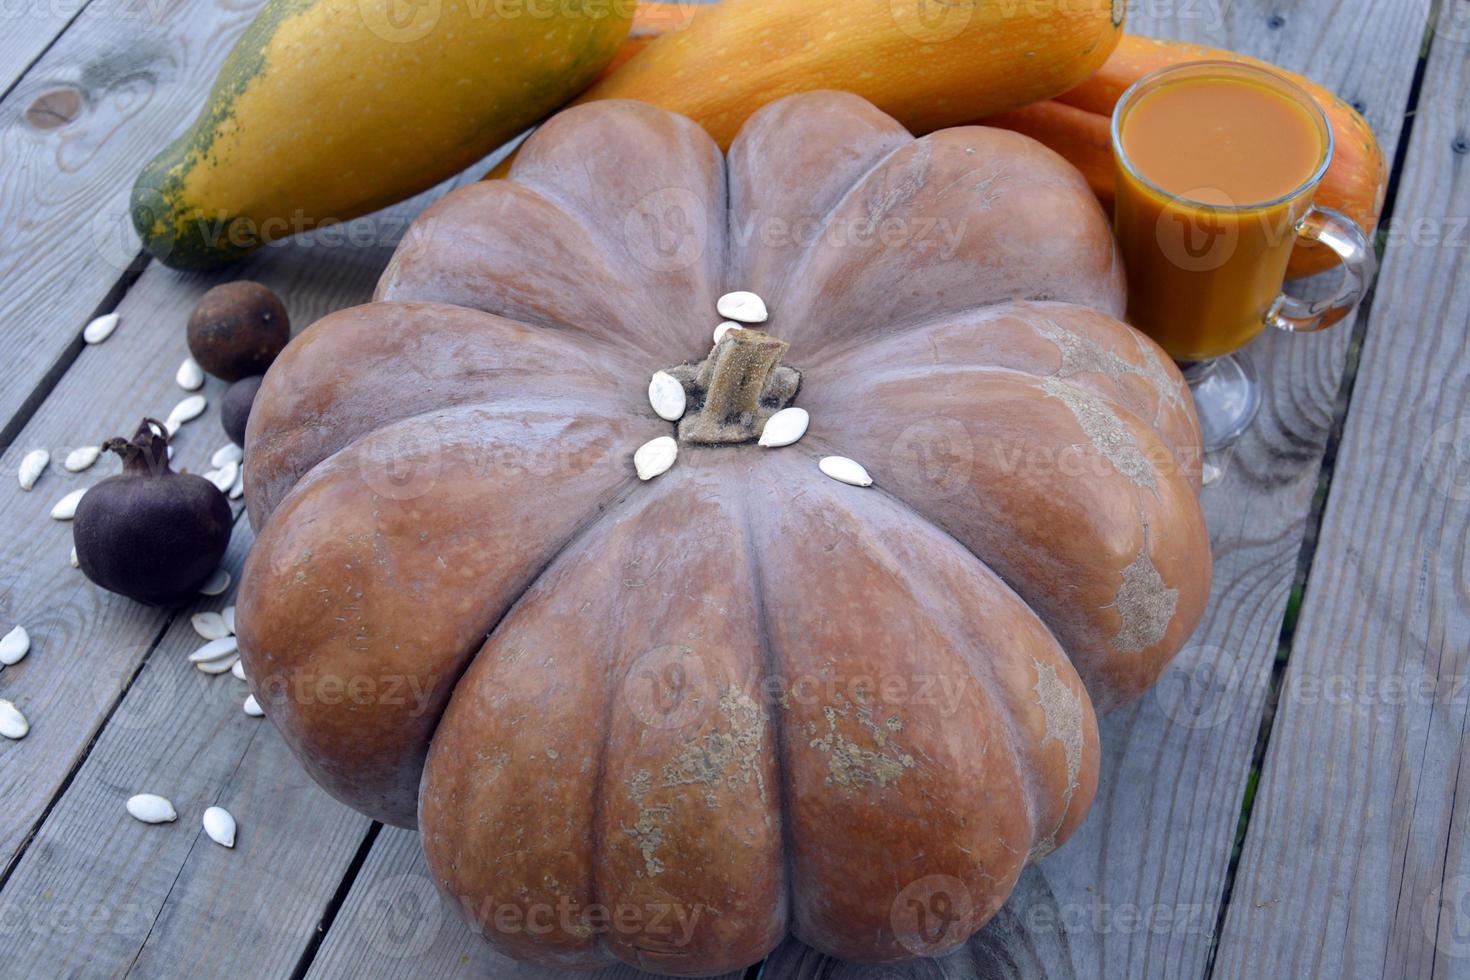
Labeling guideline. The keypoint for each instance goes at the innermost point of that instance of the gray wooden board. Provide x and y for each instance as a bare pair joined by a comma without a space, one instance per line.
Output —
98,893
142,69
27,29
1355,862
71,621
1137,890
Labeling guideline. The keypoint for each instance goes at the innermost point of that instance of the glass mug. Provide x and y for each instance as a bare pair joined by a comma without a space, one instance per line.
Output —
1216,166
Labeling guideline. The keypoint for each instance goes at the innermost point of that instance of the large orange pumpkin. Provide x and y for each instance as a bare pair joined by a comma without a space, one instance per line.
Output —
665,722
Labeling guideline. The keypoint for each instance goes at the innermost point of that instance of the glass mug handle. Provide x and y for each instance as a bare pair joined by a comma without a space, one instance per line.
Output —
1342,234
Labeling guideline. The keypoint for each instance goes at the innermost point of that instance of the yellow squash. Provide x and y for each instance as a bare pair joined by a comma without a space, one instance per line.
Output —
329,109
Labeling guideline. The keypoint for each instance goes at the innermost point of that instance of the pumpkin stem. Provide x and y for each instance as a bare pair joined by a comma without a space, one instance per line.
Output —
146,454
736,389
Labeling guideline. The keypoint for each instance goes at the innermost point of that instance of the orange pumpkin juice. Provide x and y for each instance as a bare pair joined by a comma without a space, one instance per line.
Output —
1215,167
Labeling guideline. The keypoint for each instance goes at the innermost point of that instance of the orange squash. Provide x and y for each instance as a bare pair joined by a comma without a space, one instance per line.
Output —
928,70
1076,124
650,22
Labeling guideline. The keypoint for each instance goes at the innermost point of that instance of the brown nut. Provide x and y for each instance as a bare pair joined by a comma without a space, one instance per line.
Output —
237,329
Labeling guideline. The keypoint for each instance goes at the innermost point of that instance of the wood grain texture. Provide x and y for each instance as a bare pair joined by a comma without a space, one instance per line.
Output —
1137,891
153,899
395,924
129,75
109,388
1355,863
27,29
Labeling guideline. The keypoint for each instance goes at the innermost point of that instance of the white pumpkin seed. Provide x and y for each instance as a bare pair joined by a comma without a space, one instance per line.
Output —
151,809
723,329
238,670
228,453
253,708
237,489
186,411
655,456
216,649
14,646
224,477
216,583
100,329
210,625
1210,473
785,427
220,826
228,615
743,306
667,397
172,426
844,470
75,561
81,458
190,375
221,666
66,508
13,724
31,466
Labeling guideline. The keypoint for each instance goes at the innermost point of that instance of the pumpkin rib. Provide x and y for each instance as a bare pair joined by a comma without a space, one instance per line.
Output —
857,798
799,265
892,374
927,598
996,181
780,739
934,601
802,132
408,661
1078,351
1027,548
447,258
412,359
572,161
527,653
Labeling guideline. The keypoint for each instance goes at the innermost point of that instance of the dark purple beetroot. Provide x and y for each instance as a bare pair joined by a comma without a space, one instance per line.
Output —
237,330
149,533
234,409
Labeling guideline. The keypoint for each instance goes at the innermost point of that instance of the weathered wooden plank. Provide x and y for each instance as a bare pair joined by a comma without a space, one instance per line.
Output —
165,900
109,388
1355,863
395,924
1138,889
137,71
26,30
